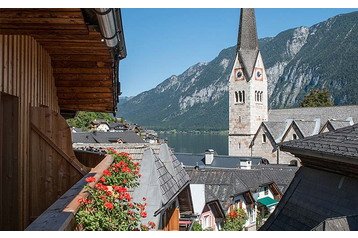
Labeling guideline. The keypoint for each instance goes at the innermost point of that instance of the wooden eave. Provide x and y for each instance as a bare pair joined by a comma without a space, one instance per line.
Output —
83,66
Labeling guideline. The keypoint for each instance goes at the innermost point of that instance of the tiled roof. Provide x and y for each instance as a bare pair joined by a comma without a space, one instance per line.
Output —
336,124
342,142
311,113
276,129
344,223
308,128
105,137
220,161
313,197
222,183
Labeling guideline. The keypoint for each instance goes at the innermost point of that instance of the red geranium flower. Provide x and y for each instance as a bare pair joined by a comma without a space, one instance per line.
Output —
107,172
103,179
151,225
109,205
143,214
90,179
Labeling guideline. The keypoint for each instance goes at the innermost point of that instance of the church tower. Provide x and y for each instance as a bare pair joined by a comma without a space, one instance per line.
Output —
247,88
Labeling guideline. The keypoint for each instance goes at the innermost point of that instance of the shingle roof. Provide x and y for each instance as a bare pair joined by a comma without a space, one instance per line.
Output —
248,47
105,137
311,113
344,223
276,129
336,124
342,142
313,197
220,161
308,128
222,183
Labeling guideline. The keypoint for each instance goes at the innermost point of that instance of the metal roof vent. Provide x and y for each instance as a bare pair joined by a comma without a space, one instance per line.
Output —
209,156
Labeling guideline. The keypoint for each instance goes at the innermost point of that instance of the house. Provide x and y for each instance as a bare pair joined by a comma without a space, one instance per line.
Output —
117,126
254,130
251,190
323,194
54,62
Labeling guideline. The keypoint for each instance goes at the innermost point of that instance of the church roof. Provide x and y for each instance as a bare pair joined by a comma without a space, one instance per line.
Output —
336,124
308,128
248,47
312,113
276,129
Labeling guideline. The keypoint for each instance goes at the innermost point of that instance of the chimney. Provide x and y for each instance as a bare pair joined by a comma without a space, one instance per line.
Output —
209,156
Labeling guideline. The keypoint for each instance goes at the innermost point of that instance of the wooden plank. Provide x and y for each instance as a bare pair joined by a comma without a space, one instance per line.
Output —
35,31
42,20
85,90
49,141
76,51
82,71
83,77
71,44
87,83
81,64
42,26
84,95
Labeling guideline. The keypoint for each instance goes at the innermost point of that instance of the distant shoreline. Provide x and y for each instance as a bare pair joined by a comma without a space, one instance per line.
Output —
225,132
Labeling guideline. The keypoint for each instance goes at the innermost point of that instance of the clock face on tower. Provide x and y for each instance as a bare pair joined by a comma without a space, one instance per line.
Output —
239,74
258,74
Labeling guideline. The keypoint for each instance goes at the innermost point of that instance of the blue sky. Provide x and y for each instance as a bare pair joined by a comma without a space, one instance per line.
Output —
164,42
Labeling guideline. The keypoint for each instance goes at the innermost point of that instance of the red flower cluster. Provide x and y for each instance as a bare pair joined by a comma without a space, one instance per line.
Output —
84,201
102,187
90,179
108,205
107,172
120,189
151,225
143,214
233,214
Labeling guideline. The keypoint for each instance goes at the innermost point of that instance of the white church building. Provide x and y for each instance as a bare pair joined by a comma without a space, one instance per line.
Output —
254,130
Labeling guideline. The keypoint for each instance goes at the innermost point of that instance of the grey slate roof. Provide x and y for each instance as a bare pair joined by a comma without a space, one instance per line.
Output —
220,161
276,129
336,124
222,183
342,142
105,137
308,128
248,47
344,223
315,196
311,113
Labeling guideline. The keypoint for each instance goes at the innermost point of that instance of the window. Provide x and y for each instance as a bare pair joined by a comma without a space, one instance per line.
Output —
294,136
239,146
261,96
240,97
258,96
240,119
263,138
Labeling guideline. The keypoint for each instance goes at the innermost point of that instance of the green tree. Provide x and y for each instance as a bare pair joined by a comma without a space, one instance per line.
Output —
235,220
83,119
196,226
317,98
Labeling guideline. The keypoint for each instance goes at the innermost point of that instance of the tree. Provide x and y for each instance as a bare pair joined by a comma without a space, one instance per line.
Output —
83,119
317,98
196,226
235,220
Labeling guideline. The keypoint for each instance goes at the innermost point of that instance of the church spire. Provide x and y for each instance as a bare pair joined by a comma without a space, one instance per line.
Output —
247,46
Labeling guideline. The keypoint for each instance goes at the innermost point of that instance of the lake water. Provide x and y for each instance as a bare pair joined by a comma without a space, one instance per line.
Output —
196,143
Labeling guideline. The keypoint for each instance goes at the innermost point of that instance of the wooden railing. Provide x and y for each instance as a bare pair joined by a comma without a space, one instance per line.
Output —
60,215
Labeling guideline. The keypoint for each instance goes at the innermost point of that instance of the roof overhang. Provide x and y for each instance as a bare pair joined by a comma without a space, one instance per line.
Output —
85,64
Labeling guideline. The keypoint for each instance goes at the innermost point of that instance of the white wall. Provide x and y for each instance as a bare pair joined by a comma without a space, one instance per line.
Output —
198,197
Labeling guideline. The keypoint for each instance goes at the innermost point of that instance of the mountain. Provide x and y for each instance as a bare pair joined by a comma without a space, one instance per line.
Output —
297,60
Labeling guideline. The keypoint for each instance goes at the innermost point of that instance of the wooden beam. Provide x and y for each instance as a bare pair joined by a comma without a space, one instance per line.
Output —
85,90
84,95
82,71
80,57
83,77
80,64
83,83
